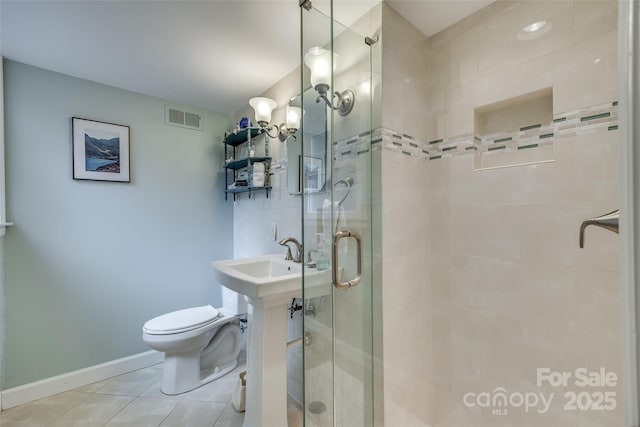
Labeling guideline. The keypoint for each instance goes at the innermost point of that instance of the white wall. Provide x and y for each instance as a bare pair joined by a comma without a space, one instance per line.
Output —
87,263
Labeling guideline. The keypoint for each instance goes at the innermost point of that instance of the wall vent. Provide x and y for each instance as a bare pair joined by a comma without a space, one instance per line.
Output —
186,119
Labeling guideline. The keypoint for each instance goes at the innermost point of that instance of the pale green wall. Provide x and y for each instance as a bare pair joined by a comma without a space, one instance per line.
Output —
87,263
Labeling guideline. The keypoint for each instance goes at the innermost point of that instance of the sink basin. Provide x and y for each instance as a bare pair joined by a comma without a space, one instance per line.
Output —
267,268
271,277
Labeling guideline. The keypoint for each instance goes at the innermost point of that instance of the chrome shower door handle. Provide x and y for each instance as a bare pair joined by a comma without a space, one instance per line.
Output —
334,265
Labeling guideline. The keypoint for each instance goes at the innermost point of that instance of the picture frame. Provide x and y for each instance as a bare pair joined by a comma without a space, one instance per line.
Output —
100,151
312,174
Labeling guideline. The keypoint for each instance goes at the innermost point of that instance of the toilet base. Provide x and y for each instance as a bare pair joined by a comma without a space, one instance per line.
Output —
195,357
188,370
182,373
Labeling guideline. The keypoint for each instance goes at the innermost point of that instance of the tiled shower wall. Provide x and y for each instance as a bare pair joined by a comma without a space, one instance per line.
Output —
512,292
494,285
401,219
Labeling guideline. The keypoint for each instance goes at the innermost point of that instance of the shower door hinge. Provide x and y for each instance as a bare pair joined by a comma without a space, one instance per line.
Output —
371,40
306,4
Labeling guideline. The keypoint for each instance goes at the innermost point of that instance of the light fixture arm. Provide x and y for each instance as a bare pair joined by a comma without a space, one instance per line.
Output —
281,132
264,126
344,102
286,133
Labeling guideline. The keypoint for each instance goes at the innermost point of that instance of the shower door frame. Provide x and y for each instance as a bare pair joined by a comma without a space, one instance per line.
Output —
348,266
629,50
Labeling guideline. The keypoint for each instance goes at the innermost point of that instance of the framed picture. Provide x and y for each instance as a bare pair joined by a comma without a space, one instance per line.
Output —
312,174
100,151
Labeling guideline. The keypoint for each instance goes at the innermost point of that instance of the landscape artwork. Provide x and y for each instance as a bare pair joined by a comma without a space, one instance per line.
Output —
100,151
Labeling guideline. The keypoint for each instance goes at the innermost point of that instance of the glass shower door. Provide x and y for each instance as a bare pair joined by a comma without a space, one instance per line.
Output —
336,187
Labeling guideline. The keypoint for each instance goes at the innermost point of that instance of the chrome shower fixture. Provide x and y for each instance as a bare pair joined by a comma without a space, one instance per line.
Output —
347,182
609,221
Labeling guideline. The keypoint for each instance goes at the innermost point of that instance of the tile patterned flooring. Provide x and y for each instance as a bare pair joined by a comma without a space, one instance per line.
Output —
135,400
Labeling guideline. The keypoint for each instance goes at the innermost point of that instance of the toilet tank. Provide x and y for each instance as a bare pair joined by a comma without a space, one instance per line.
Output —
233,302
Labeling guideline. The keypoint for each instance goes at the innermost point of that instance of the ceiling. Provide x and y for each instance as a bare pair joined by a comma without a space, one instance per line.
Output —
214,54
433,16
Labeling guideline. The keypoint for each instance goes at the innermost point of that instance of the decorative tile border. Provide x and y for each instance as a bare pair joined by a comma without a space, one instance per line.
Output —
350,148
598,118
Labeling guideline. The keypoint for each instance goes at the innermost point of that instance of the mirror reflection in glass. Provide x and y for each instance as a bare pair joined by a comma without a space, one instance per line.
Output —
314,164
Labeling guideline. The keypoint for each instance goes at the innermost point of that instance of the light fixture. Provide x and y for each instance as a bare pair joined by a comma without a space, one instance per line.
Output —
534,30
263,107
293,123
319,61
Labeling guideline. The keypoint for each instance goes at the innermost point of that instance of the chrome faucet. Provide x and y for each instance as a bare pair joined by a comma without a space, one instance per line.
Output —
608,221
289,257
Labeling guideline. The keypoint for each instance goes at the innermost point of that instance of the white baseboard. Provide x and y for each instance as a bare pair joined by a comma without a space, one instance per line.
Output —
40,389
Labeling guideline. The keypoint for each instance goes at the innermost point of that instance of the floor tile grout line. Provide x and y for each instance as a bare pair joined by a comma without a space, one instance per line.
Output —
170,412
221,414
68,410
121,409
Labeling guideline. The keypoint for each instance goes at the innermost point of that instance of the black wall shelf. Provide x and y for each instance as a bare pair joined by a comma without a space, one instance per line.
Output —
233,140
236,138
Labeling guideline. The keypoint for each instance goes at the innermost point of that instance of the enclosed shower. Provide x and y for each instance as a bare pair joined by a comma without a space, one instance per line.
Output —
448,197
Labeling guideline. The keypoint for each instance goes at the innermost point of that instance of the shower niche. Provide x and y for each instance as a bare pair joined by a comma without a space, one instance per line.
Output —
515,131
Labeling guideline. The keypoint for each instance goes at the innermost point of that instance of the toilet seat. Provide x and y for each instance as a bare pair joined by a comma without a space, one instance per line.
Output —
181,320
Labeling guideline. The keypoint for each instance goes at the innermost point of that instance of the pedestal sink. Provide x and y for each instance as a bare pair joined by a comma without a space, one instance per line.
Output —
268,284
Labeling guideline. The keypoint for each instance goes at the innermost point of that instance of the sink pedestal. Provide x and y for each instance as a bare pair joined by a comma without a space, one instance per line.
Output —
268,283
266,404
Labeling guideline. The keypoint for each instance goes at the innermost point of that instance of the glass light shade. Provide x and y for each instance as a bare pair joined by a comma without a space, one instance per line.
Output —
293,117
319,62
263,108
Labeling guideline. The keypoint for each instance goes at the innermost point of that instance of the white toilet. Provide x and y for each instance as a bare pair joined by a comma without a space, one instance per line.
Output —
200,344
